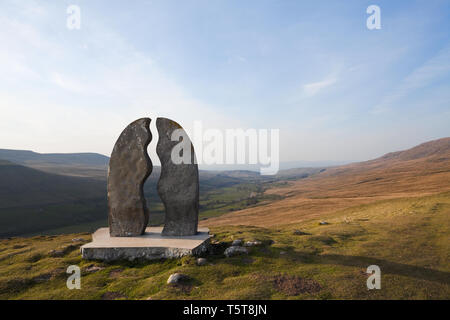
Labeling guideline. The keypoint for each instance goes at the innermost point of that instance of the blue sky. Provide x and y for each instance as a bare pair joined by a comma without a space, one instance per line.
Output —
336,90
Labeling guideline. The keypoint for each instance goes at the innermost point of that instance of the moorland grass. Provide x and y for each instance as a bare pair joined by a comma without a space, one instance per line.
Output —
407,238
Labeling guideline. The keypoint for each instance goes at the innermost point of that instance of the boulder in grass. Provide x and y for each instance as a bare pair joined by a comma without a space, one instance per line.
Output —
253,243
201,261
299,233
234,251
176,278
237,242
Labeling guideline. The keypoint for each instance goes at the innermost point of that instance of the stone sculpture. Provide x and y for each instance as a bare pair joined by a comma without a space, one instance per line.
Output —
178,186
128,236
129,167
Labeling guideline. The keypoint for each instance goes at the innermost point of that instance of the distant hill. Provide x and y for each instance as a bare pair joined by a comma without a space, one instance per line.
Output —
283,165
422,170
32,200
20,185
92,165
436,150
31,158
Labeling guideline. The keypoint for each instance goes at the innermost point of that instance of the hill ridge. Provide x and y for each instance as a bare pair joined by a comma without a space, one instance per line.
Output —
421,170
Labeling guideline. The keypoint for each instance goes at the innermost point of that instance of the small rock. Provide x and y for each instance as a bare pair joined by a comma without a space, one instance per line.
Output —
253,243
237,242
235,250
212,235
176,278
42,278
299,233
113,296
93,268
322,223
19,246
56,253
201,261
78,240
283,252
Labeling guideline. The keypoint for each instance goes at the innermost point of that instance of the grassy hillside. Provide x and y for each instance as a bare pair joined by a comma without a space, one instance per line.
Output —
393,212
87,165
422,170
37,202
33,201
408,238
24,186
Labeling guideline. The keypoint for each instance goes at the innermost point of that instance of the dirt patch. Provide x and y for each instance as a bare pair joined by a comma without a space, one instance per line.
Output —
293,285
19,246
247,260
93,268
14,285
326,240
115,273
42,278
181,288
112,296
34,257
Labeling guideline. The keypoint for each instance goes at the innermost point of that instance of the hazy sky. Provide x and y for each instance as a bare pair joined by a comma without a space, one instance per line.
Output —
336,90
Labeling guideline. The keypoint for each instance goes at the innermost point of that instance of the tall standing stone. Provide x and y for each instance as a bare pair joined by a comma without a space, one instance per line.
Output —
178,186
129,167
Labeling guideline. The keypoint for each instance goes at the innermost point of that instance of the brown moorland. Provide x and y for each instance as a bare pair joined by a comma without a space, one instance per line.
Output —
419,171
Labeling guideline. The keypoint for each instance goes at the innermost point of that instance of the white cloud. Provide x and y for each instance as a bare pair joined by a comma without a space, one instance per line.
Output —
83,96
66,83
314,88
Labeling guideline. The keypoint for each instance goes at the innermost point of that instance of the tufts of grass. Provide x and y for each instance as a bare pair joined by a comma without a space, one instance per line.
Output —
407,238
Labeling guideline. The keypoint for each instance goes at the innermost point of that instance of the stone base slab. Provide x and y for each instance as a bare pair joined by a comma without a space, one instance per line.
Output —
149,246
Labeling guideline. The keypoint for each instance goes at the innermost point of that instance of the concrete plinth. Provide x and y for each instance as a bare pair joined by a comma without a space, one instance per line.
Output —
151,245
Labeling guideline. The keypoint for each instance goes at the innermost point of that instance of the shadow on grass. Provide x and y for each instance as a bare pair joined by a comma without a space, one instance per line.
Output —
387,267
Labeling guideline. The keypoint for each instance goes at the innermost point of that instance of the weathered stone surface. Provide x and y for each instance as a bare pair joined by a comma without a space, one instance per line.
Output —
201,261
92,268
253,243
129,167
178,186
234,251
177,278
237,242
299,233
152,245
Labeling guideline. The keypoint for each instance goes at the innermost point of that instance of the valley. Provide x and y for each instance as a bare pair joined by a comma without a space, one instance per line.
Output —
319,230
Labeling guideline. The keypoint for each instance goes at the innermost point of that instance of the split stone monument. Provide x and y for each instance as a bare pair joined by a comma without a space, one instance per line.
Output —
128,236
178,186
